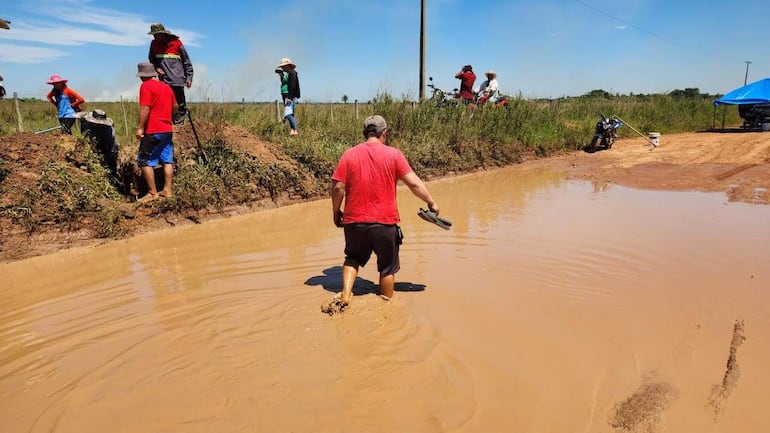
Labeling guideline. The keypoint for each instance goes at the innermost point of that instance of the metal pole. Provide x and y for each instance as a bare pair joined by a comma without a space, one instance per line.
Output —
746,77
422,50
634,129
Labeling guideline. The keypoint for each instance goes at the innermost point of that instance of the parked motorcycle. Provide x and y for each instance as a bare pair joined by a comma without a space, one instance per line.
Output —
479,100
605,133
440,97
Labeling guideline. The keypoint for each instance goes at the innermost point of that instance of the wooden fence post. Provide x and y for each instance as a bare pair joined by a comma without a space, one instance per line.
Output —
355,104
19,123
278,111
331,111
243,105
125,119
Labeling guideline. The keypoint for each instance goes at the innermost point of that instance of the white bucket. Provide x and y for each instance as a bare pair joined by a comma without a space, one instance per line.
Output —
654,138
766,126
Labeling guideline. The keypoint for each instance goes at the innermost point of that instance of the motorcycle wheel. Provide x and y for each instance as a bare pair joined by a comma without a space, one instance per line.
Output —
591,148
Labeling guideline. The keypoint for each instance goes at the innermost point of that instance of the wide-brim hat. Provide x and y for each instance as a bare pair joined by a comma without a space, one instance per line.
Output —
56,78
98,116
492,74
146,70
286,62
158,28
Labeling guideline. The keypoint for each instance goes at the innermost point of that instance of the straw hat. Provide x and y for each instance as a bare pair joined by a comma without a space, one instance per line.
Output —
286,62
98,116
158,28
491,74
146,70
56,78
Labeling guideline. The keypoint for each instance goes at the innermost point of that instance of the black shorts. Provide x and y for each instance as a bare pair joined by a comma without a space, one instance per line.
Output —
383,239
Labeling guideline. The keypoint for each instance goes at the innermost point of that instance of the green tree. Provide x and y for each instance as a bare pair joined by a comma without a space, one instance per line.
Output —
344,99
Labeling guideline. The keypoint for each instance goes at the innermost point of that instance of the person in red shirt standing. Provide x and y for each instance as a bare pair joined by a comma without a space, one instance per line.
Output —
365,178
467,78
155,130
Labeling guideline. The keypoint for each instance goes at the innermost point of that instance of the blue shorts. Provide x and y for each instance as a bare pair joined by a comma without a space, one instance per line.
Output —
155,149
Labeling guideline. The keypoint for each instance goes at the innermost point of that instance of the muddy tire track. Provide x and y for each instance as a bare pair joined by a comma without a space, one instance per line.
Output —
720,393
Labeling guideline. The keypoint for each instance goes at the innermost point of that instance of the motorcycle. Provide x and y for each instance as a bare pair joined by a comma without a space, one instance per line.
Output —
440,97
479,100
605,133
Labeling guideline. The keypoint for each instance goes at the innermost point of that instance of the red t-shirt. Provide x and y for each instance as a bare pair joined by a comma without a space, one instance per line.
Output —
370,172
160,98
467,79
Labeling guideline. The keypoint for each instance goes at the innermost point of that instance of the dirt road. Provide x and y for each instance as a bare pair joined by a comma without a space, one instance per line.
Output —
737,163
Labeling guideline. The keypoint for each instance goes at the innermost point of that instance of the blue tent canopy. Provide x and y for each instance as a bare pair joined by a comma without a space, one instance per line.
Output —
757,92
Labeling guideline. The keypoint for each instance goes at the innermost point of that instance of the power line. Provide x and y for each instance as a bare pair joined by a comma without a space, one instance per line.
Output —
629,24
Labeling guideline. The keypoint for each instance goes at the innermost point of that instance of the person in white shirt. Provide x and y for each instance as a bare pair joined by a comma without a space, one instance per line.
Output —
489,90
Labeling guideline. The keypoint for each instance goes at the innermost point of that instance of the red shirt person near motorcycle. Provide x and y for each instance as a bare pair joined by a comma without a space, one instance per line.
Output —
467,79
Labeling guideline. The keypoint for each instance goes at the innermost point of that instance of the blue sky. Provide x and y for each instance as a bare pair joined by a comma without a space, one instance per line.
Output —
539,48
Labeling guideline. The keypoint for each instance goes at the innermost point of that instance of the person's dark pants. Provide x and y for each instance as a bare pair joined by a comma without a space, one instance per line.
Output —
66,124
180,98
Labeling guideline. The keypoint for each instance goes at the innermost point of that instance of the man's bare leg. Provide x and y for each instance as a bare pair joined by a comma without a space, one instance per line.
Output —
149,177
349,274
168,173
387,284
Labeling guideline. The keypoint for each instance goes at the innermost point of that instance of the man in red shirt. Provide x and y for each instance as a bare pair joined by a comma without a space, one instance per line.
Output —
366,178
467,78
155,130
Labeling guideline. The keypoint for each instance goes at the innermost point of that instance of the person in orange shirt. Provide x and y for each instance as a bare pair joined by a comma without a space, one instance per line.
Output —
66,100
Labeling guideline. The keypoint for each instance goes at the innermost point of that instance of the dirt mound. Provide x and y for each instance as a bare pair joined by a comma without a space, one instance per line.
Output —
27,159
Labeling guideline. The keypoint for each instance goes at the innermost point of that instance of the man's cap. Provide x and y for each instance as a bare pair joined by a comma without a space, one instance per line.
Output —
146,70
376,123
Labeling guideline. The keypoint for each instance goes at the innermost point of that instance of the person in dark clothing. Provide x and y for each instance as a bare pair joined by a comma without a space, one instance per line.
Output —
173,65
289,75
98,128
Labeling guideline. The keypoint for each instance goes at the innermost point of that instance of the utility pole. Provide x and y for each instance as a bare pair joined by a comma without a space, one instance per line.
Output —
422,50
746,77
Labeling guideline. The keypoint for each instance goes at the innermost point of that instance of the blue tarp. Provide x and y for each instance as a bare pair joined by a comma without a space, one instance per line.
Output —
757,92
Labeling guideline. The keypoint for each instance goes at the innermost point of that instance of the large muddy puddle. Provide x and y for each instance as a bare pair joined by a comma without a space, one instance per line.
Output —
551,306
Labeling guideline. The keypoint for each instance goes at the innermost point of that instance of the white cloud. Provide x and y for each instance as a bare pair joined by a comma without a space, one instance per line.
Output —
68,23
26,54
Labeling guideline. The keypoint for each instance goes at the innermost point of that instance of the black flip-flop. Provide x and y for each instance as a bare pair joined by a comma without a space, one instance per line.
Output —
431,217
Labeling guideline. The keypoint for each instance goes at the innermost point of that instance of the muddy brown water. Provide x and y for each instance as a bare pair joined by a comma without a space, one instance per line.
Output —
551,306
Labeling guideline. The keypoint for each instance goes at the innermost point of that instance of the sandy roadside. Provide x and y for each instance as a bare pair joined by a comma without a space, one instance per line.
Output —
737,163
